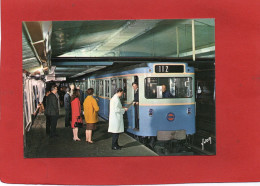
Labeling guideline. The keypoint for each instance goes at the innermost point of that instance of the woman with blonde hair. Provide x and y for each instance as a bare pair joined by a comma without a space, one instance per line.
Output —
75,113
91,109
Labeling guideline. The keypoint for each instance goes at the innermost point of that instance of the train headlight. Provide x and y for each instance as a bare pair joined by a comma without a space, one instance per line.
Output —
188,110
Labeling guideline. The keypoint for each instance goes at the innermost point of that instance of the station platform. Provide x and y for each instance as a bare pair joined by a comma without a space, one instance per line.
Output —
39,145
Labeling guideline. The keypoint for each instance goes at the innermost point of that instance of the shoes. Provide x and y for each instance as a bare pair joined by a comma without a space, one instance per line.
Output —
76,139
116,148
119,146
90,142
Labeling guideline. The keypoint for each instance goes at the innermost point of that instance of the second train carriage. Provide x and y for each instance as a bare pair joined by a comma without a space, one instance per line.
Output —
156,113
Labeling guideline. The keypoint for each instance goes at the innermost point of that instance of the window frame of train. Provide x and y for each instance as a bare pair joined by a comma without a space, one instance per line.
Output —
169,88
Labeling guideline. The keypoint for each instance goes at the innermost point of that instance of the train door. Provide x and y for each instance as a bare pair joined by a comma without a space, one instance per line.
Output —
125,101
136,102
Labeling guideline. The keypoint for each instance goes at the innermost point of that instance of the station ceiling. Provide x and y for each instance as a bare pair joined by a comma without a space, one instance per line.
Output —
70,46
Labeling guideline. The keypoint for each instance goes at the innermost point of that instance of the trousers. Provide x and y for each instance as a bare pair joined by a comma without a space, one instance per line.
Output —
67,118
53,121
48,125
115,137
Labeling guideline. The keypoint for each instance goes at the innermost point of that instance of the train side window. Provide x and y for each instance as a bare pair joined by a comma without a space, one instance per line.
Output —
113,86
120,84
97,88
101,88
164,87
107,88
93,85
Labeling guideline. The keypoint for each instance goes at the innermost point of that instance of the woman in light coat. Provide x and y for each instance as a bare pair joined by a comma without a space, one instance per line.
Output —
91,109
116,123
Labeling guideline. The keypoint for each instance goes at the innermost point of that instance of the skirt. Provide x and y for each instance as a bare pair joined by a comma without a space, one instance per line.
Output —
91,126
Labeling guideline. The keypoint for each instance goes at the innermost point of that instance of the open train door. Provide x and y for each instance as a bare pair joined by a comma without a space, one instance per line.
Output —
136,100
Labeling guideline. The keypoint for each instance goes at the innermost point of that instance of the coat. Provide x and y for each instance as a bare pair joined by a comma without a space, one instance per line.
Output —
167,94
75,112
67,102
91,109
116,122
52,107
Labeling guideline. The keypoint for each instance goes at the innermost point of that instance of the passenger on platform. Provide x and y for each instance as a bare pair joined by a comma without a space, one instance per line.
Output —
136,104
48,124
81,97
75,113
91,109
61,94
166,93
116,122
67,106
52,110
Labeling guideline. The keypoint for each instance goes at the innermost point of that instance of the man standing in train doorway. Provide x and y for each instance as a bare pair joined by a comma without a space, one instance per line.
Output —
136,104
52,110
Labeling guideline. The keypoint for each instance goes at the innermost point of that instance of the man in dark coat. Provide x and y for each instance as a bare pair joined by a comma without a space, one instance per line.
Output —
136,104
48,123
67,108
52,110
81,97
165,92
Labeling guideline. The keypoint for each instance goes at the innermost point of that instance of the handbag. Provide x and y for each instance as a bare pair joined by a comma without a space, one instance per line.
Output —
78,124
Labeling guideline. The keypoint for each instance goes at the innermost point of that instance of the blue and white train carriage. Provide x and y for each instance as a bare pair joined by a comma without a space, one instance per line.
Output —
156,112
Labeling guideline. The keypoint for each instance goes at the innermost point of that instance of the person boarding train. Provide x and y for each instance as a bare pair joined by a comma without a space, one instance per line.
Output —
136,104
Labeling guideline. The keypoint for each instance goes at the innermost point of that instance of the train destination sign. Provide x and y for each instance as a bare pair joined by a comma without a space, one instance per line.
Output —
169,68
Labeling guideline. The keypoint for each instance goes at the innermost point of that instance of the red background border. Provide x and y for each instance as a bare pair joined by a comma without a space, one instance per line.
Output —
237,96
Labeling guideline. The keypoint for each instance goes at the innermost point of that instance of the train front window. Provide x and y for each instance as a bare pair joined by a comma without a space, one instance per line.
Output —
168,87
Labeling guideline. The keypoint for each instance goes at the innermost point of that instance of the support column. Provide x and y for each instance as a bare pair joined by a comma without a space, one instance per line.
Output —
177,38
193,40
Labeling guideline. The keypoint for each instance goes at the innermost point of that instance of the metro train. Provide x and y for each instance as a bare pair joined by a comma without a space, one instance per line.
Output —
156,113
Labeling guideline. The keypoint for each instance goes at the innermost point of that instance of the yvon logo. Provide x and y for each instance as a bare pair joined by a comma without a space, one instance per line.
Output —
170,116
